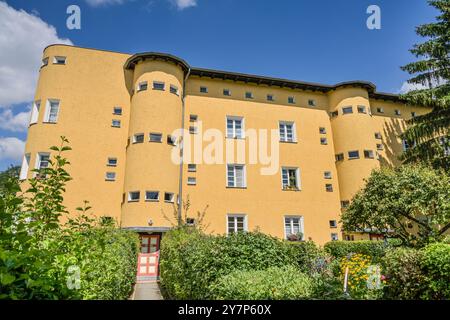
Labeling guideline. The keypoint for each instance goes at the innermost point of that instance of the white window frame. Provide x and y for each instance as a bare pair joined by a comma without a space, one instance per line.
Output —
151,200
301,225
109,164
193,118
270,97
110,178
159,83
327,175
380,110
173,197
119,109
233,129
322,130
291,100
312,103
203,91
141,85
44,62
47,111
244,175
333,224
136,135
298,185
59,60
333,238
174,90
324,141
284,136
249,95
226,90
25,166
347,108
135,200
369,154
397,112
193,130
34,116
329,187
192,181
119,123
155,134
235,216
353,158
192,167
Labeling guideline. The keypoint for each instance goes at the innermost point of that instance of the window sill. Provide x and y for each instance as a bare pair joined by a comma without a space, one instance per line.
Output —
49,122
111,165
353,158
147,200
129,201
288,142
115,127
169,201
236,138
291,189
228,187
156,89
110,180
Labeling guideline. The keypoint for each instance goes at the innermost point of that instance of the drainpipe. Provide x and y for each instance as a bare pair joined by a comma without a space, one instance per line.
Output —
180,186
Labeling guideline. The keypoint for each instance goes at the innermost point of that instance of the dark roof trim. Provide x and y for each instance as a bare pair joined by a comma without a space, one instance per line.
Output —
258,80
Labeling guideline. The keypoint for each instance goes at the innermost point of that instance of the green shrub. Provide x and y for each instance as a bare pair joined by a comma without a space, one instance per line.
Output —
436,268
405,279
310,258
191,261
339,249
275,283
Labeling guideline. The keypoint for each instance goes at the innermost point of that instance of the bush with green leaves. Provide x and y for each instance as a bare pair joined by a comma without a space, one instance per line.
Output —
436,268
275,283
340,249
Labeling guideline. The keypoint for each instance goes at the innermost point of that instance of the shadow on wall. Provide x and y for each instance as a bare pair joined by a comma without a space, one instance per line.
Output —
393,146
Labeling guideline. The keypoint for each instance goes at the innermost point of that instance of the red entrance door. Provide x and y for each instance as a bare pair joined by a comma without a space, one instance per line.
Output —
148,259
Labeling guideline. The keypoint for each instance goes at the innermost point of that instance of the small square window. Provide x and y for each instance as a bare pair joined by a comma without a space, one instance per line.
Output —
397,112
134,196
112,162
169,197
248,95
362,109
322,130
270,97
334,114
368,154
110,176
193,130
138,138
226,92
347,110
115,123
323,141
379,146
203,89
193,118
378,135
334,237
329,187
155,137
142,86
345,204
192,181
158,85
151,195
339,157
171,140
353,154
291,100
311,102
192,167
174,90
380,110
59,60
44,62
117,111
327,175
333,224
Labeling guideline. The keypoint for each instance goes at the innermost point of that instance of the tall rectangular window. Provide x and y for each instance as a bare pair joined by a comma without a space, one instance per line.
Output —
290,178
236,176
35,112
25,166
293,226
236,223
42,162
51,114
235,127
287,131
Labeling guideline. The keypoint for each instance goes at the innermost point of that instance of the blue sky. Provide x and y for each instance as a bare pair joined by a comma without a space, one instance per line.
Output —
324,41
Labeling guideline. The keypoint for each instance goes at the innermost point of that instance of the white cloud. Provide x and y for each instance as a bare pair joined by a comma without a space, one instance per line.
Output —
96,3
14,122
183,4
23,36
11,149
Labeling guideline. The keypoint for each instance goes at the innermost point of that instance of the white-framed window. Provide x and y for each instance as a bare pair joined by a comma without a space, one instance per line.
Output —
134,196
192,167
193,130
138,138
322,130
291,100
227,92
115,123
293,226
333,224
311,102
25,166
158,85
117,111
397,112
380,110
110,176
59,60
152,196
378,135
339,157
142,86
42,160
323,141
287,131
35,112
112,162
334,237
236,223
193,118
171,140
347,110
368,154
52,111
290,178
174,90
379,146
327,175
235,127
361,109
236,176
169,197
248,95
44,62
328,187
270,97
203,89
155,137
354,154
191,181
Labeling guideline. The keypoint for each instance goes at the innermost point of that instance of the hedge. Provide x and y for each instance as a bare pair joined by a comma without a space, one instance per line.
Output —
374,249
436,267
275,283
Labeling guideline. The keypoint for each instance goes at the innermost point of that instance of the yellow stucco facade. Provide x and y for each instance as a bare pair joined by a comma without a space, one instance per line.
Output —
159,93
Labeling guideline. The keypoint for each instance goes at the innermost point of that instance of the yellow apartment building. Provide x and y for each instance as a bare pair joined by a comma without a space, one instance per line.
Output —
121,114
